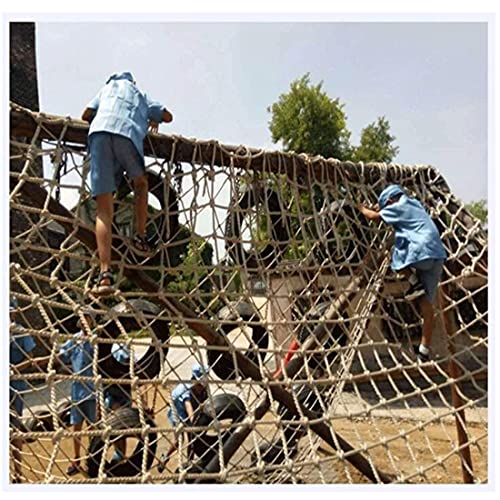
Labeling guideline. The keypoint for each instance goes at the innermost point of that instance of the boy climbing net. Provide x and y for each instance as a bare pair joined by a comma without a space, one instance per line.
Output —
120,115
418,252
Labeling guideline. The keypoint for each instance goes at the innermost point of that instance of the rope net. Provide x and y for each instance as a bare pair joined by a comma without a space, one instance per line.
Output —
256,254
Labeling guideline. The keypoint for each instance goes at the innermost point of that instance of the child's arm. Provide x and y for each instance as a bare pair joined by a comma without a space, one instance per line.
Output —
166,117
189,410
368,213
88,114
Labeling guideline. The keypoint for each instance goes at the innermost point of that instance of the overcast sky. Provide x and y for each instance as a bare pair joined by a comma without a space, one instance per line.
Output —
428,79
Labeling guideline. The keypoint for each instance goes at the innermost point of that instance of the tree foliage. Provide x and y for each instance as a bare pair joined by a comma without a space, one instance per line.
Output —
478,209
307,120
376,143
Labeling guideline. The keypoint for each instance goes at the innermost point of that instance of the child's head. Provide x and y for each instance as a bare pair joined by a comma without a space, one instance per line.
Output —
390,195
199,374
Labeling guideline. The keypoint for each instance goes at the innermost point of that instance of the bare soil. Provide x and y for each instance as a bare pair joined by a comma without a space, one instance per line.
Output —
399,447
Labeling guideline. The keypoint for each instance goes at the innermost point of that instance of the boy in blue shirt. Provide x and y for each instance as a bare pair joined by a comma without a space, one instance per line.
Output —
186,398
417,247
79,352
120,115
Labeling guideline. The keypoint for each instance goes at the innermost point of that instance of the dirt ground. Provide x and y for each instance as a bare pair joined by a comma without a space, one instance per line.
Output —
394,446
432,449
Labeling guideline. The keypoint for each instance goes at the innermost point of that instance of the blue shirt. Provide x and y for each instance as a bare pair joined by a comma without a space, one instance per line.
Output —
180,395
416,236
79,352
21,344
124,110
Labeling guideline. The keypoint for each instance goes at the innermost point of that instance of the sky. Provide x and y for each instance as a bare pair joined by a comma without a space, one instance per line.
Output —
429,79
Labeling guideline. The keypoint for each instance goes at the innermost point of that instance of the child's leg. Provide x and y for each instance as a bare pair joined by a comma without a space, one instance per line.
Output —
104,219
77,441
427,310
141,204
429,272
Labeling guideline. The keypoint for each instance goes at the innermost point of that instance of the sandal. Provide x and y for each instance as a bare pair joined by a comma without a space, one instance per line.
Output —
141,245
73,468
102,288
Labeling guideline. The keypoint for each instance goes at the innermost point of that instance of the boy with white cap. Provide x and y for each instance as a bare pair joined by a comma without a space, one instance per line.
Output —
418,247
120,115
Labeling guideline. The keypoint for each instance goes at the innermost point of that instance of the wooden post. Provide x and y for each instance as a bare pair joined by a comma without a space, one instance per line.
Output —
455,373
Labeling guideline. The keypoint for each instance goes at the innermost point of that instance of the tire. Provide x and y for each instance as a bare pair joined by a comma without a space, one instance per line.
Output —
205,444
274,453
149,365
220,361
43,420
164,228
123,418
272,253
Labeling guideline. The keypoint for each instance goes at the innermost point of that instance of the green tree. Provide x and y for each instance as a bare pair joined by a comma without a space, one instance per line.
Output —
376,143
478,209
307,120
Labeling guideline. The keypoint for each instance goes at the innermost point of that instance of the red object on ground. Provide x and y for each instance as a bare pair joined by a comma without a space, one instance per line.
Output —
291,351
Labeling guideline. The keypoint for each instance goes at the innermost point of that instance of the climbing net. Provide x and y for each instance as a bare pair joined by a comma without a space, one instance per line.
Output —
265,272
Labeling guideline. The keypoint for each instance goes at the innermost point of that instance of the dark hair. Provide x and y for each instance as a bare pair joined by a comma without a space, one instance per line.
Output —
395,198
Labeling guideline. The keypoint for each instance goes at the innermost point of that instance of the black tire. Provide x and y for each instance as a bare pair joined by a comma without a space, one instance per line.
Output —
233,315
123,418
272,253
164,228
274,453
43,420
149,365
205,443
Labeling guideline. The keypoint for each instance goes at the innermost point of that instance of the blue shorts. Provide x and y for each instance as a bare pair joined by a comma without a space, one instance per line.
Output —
429,273
111,155
81,410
